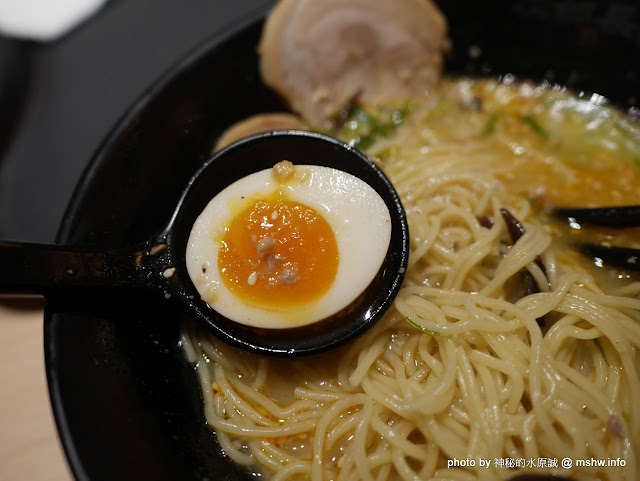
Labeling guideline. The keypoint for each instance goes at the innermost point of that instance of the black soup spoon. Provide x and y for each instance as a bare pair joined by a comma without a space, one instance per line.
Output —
159,265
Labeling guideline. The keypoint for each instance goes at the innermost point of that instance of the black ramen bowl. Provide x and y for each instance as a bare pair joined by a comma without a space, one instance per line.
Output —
125,400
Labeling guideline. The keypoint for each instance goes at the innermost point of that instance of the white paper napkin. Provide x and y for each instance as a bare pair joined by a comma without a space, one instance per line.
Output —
44,20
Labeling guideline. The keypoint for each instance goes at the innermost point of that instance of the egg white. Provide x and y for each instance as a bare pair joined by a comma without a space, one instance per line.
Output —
356,213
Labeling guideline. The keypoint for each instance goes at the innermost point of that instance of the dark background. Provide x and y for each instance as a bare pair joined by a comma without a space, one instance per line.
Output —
59,100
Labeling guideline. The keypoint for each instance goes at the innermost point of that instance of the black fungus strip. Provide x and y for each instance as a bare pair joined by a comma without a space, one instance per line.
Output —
620,216
484,221
623,257
516,231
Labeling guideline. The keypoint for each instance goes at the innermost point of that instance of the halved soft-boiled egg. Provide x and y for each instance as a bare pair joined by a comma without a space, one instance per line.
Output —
288,246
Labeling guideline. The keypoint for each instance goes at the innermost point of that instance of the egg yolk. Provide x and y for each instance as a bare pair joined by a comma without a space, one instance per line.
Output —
278,253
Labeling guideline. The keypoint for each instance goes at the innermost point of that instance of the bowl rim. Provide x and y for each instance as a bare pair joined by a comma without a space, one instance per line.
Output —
74,208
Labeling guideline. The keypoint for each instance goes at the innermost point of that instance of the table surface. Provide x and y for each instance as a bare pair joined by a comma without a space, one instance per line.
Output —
29,445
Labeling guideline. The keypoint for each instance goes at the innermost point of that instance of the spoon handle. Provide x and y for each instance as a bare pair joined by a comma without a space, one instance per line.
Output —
41,268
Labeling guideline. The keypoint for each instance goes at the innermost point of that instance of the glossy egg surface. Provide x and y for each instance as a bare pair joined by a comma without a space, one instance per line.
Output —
288,246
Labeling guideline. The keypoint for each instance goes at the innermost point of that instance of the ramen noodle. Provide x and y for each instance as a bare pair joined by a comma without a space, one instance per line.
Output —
466,377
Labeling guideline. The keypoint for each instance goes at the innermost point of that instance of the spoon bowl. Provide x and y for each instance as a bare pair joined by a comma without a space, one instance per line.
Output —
159,264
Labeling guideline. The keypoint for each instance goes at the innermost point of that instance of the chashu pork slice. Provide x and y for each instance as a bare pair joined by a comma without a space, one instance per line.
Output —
319,54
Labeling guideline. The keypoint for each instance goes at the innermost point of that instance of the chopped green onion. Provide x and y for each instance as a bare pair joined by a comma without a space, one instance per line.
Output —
537,128
490,128
363,127
597,341
424,329
363,143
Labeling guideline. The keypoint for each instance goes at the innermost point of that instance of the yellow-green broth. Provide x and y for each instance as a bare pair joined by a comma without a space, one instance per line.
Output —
546,145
